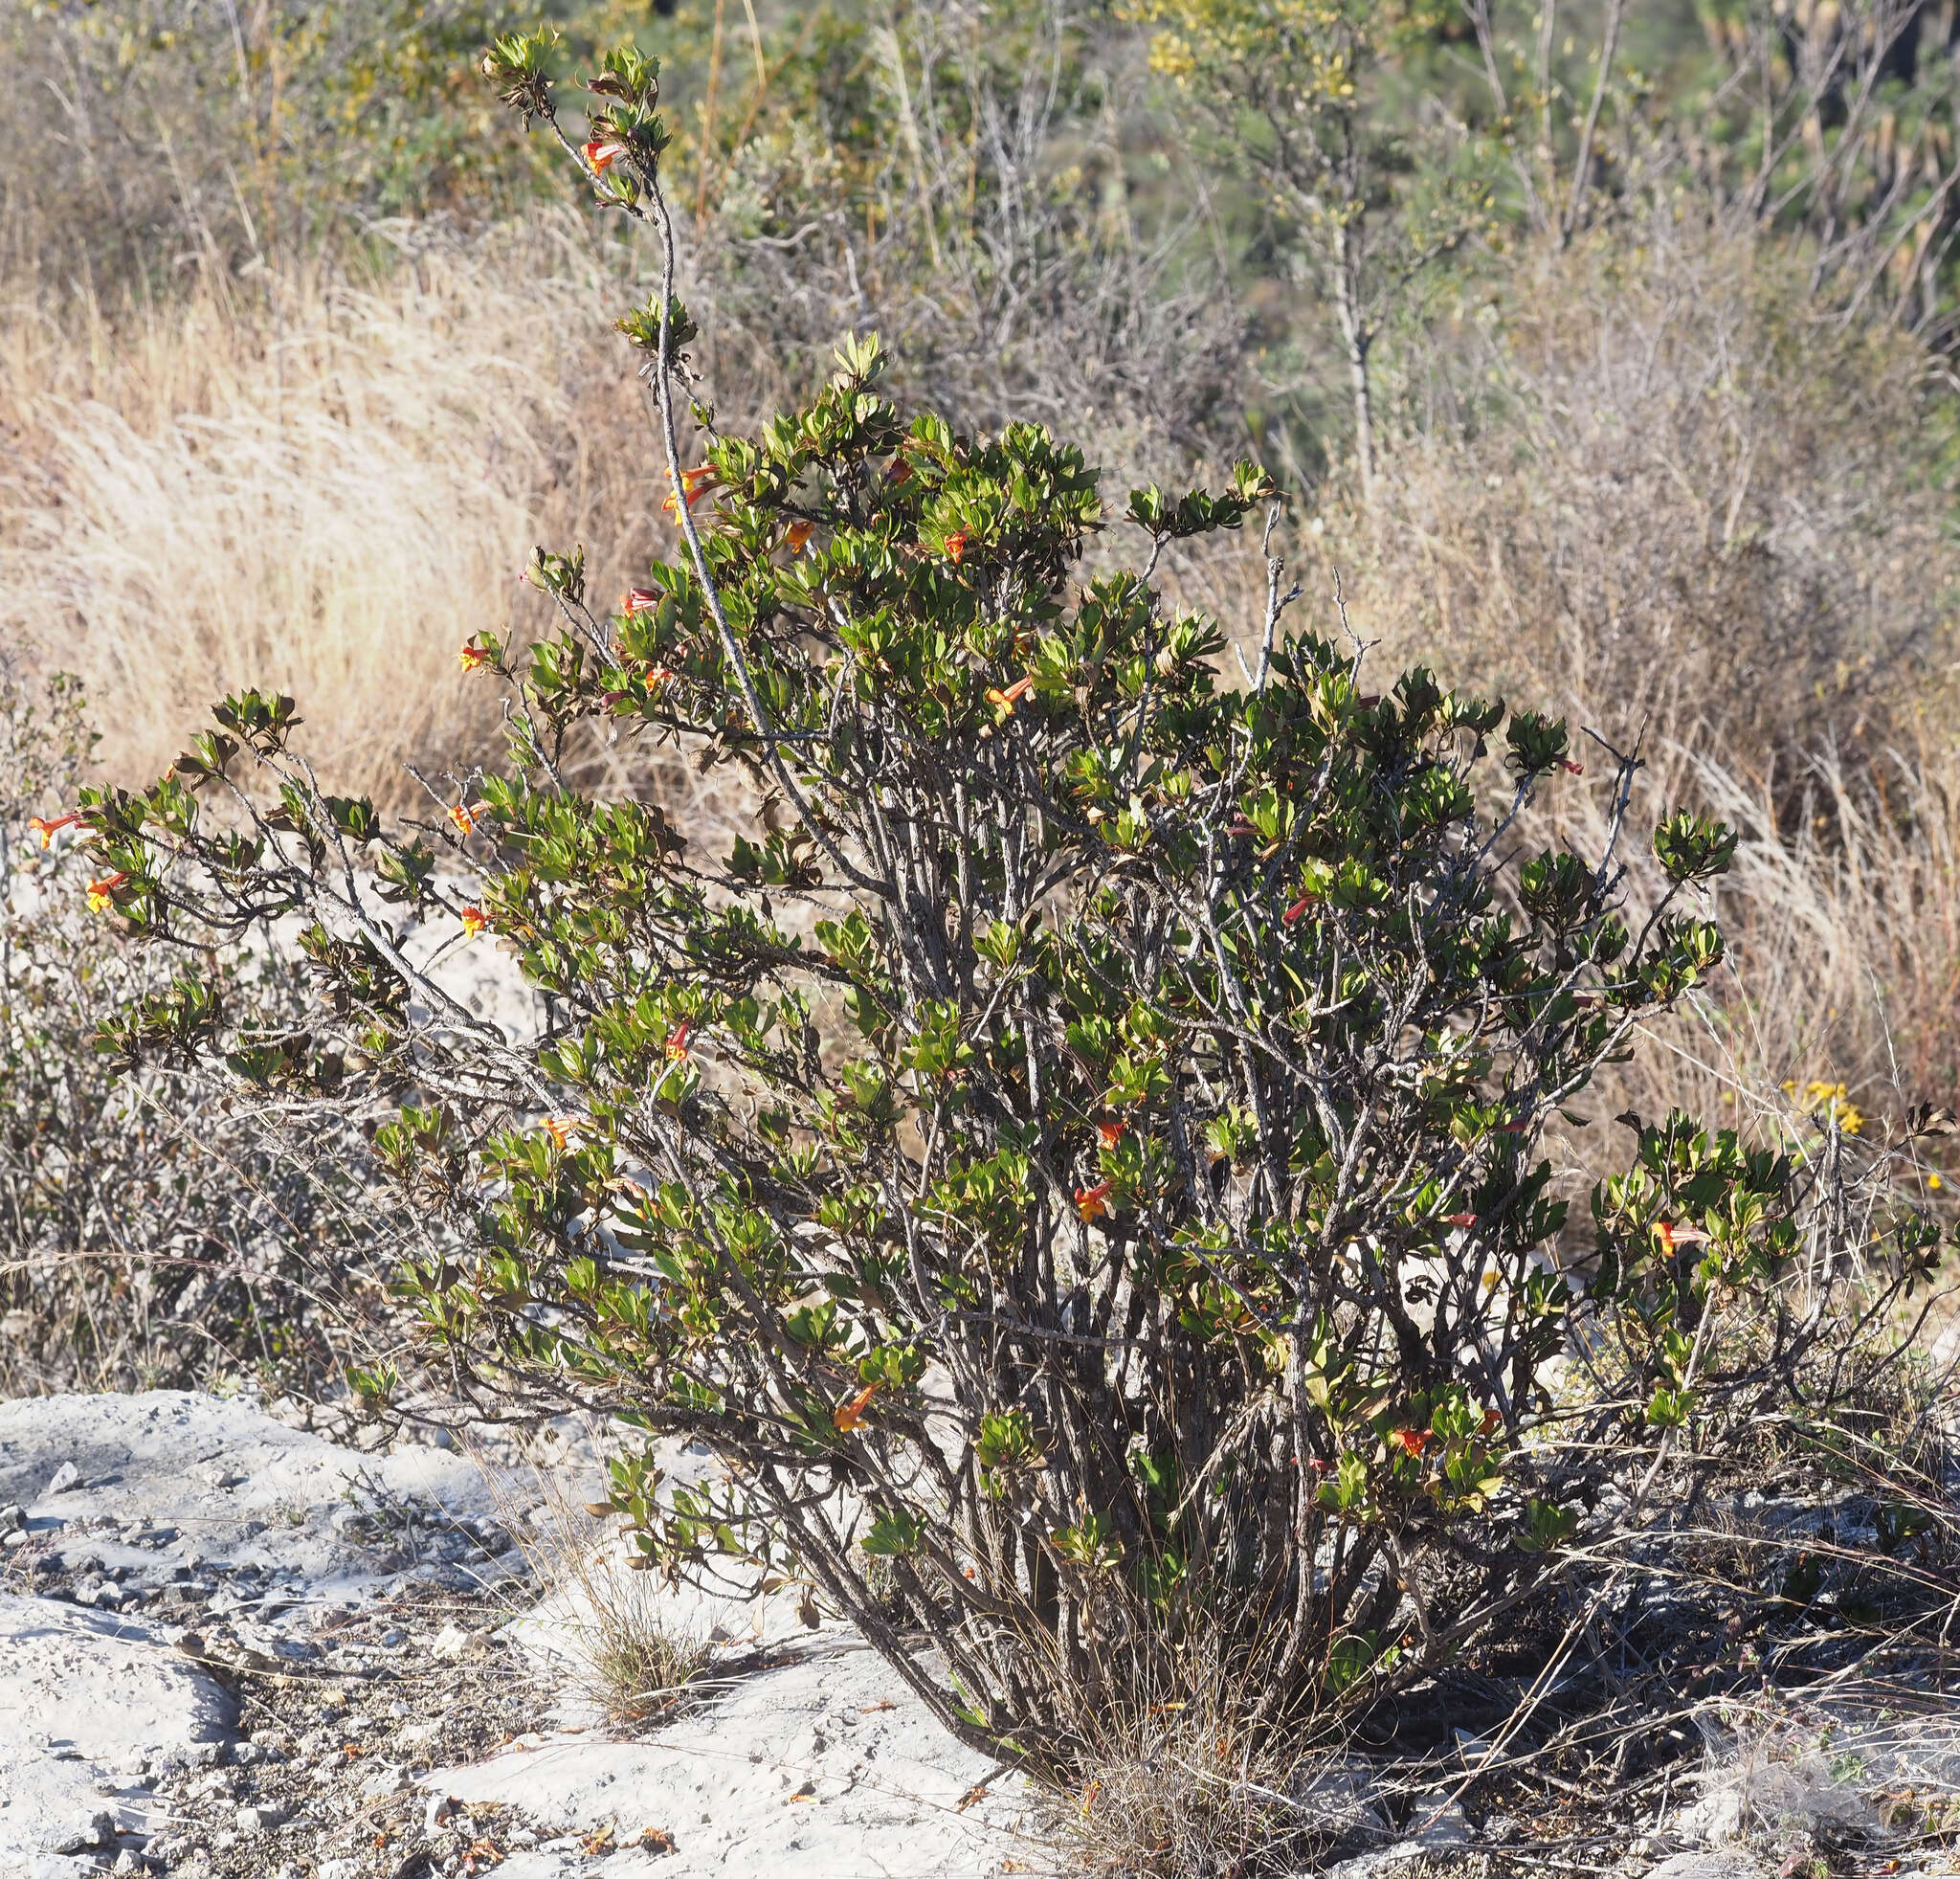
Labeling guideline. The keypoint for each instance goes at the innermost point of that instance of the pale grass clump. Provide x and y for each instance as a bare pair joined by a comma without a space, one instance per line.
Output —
1179,1788
324,493
630,1659
1650,487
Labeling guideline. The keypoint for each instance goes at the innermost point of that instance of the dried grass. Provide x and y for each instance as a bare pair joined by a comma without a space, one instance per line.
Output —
1650,482
629,1660
325,495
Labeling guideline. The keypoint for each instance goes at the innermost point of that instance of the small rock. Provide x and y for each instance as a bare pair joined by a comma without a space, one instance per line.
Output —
449,1643
412,1734
84,1834
261,1816
386,1779
12,1519
65,1480
16,1539
127,1862
442,1808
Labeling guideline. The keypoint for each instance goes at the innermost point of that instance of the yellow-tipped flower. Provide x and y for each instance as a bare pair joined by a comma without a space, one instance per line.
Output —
101,893
694,484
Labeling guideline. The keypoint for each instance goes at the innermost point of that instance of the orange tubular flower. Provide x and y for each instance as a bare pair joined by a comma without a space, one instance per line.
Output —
1092,1203
797,534
472,658
562,1128
1673,1238
460,819
848,1416
638,599
48,830
1414,1440
658,676
695,483
956,546
1007,699
1491,1424
1112,1133
677,1044
101,893
1297,911
603,152
473,920
1460,1220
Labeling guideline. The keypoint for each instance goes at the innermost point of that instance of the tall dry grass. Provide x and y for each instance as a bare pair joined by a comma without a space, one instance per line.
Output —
1648,485
1842,924
323,488
1650,479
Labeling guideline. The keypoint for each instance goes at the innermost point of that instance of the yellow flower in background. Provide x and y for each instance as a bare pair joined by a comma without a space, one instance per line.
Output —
1829,1103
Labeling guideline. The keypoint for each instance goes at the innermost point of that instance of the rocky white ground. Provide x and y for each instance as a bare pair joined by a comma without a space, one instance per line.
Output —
230,1648
233,1649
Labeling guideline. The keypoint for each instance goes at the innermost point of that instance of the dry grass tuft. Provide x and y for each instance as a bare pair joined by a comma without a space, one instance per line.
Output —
1170,1800
629,1659
325,494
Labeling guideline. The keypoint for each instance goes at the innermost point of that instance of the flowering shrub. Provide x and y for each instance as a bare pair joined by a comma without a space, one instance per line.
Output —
1077,1159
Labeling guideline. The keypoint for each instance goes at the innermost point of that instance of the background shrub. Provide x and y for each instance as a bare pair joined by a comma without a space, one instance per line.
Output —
156,1234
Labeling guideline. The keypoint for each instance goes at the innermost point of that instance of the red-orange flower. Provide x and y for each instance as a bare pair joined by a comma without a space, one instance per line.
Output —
1460,1220
1673,1237
1112,1133
1092,1203
956,546
1492,1421
900,473
101,893
48,830
603,152
1570,768
473,920
1007,699
797,534
847,1416
562,1128
638,600
472,658
1297,911
694,484
1414,1440
676,1043
660,674
461,817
